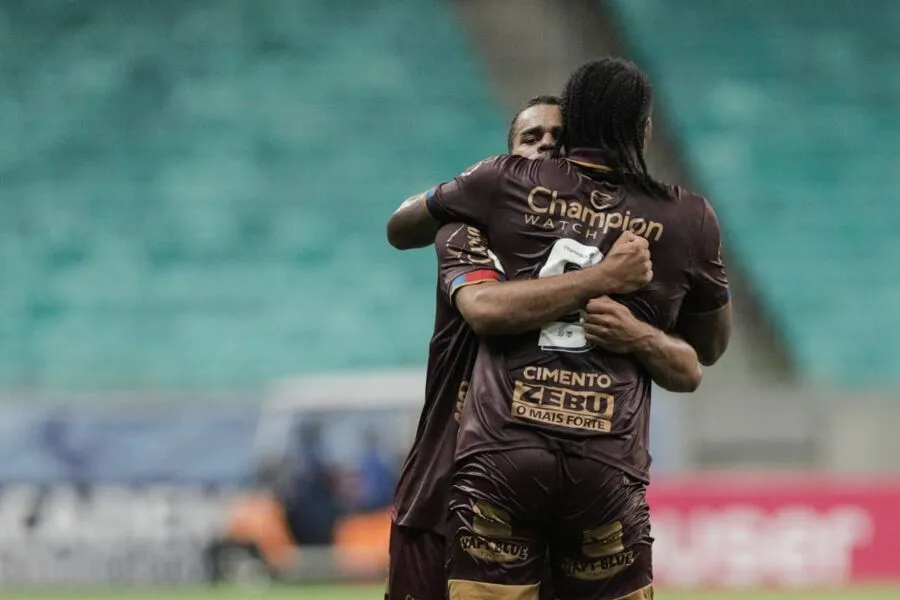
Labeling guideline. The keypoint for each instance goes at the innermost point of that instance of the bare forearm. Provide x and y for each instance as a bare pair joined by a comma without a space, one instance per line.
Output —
519,306
411,225
671,361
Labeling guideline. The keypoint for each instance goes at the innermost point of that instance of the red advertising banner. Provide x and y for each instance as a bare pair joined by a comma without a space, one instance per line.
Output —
748,531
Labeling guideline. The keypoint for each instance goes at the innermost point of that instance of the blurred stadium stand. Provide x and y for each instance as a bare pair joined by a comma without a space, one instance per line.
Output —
789,121
120,447
206,213
196,191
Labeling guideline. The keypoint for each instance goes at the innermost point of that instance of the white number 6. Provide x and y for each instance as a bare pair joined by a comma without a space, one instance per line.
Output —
567,335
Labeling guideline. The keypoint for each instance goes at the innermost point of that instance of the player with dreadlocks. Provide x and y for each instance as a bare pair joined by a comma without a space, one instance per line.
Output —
552,456
624,135
417,549
617,89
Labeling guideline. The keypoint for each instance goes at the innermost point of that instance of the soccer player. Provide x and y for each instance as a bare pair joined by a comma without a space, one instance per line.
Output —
552,451
417,553
533,133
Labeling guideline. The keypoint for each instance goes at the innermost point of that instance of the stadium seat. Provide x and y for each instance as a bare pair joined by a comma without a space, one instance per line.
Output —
196,192
788,119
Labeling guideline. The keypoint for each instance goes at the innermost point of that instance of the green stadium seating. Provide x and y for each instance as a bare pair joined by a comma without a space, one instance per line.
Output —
196,191
787,113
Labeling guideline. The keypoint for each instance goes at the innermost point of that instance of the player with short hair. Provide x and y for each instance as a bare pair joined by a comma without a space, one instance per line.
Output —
552,452
417,554
536,128
534,132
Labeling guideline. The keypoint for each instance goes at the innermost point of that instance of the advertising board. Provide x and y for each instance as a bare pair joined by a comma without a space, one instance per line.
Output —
796,531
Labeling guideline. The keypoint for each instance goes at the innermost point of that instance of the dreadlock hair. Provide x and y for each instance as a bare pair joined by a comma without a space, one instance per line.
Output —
536,101
606,104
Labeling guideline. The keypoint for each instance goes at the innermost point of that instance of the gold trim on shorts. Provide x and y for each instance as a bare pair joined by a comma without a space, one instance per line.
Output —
645,593
461,589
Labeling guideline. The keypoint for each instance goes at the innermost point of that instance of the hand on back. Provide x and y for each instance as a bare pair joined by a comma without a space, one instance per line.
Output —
626,267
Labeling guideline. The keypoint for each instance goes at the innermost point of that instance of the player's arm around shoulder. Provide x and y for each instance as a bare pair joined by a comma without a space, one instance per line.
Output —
529,304
411,225
705,319
465,198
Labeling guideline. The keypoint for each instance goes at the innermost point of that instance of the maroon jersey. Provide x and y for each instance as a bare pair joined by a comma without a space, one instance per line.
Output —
550,388
422,494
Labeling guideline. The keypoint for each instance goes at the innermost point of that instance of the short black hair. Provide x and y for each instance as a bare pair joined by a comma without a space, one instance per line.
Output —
536,101
606,104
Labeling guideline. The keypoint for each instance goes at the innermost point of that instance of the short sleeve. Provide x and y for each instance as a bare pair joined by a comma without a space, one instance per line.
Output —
464,258
708,282
466,197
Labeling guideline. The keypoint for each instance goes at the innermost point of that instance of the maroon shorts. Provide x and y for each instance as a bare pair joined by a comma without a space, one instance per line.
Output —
417,565
510,511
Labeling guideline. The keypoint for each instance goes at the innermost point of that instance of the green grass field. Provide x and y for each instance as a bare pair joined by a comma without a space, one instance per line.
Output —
376,593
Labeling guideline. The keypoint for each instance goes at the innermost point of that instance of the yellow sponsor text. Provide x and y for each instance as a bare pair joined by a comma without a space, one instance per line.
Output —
563,407
588,218
498,551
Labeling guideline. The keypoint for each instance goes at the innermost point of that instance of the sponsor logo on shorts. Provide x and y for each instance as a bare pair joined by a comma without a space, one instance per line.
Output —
490,521
497,551
595,570
563,407
603,541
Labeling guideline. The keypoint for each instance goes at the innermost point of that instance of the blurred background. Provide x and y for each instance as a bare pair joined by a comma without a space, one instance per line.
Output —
211,360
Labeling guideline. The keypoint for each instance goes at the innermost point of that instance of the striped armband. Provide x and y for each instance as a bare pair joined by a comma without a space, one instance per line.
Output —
472,277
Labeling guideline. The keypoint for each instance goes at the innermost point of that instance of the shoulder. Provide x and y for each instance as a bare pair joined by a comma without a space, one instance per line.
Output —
508,167
512,163
684,195
495,164
555,172
695,206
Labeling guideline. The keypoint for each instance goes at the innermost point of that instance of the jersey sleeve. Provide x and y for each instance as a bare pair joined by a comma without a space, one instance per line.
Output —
464,258
466,197
708,282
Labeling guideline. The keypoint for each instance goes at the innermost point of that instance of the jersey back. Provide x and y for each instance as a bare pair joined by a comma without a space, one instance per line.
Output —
551,388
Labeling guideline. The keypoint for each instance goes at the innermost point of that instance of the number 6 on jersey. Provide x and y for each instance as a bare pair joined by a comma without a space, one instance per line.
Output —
567,334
